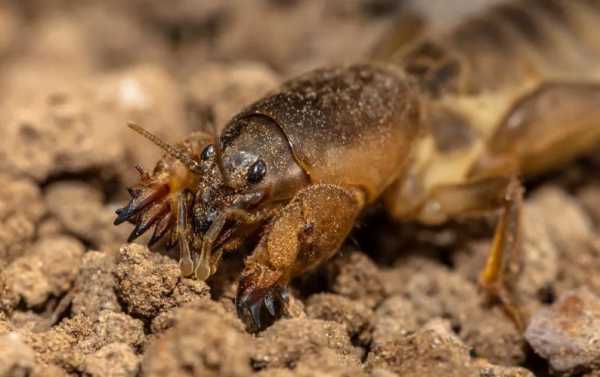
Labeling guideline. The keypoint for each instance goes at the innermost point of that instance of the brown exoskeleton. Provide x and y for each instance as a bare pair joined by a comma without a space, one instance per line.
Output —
443,127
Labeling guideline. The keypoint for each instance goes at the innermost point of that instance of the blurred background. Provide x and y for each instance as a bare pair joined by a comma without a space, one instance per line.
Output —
74,72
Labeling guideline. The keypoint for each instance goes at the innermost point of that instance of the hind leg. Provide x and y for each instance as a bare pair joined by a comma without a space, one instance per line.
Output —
505,259
546,128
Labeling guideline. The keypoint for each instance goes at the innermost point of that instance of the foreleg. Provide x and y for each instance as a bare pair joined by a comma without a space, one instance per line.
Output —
307,232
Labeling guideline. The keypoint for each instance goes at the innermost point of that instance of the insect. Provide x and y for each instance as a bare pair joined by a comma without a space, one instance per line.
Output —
435,127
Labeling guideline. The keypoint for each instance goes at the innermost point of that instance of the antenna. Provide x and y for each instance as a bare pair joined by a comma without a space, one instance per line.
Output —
174,151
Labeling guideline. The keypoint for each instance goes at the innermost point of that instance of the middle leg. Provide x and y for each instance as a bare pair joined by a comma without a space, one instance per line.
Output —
504,261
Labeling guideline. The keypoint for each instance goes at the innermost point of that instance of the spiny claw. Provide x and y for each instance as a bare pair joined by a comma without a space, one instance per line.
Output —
161,228
255,312
135,233
149,218
141,200
249,312
250,303
270,304
124,214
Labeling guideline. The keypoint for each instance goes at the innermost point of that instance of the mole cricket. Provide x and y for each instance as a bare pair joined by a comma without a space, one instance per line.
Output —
433,126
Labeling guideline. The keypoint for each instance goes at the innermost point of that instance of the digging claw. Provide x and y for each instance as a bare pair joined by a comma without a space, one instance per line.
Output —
141,199
162,227
270,305
250,302
124,214
135,233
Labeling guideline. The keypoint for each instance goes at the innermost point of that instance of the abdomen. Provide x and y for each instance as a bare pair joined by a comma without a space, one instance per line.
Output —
477,73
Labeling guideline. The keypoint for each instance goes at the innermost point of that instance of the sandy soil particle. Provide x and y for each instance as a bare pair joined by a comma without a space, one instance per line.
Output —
149,283
119,359
433,291
10,25
488,370
289,340
292,29
80,210
566,333
110,327
579,266
394,318
352,314
589,196
201,343
124,37
48,269
53,133
227,89
8,298
433,350
326,363
492,337
172,317
70,344
94,287
148,95
5,325
54,347
41,370
16,358
21,208
569,219
355,276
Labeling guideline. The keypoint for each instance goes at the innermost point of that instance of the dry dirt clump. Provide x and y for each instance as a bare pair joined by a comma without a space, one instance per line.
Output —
149,283
434,350
200,343
17,359
21,209
79,209
290,340
398,299
355,276
354,315
565,334
94,287
48,269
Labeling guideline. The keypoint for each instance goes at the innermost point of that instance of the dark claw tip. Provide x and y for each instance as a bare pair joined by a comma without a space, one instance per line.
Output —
153,240
137,231
122,216
259,308
270,305
125,213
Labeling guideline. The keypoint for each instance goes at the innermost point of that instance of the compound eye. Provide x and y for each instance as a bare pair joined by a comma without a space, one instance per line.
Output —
257,171
208,152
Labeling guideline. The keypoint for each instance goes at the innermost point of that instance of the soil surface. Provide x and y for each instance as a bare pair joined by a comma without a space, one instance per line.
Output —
397,300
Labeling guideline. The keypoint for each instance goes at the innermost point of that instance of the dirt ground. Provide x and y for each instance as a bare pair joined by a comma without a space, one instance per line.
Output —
398,300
